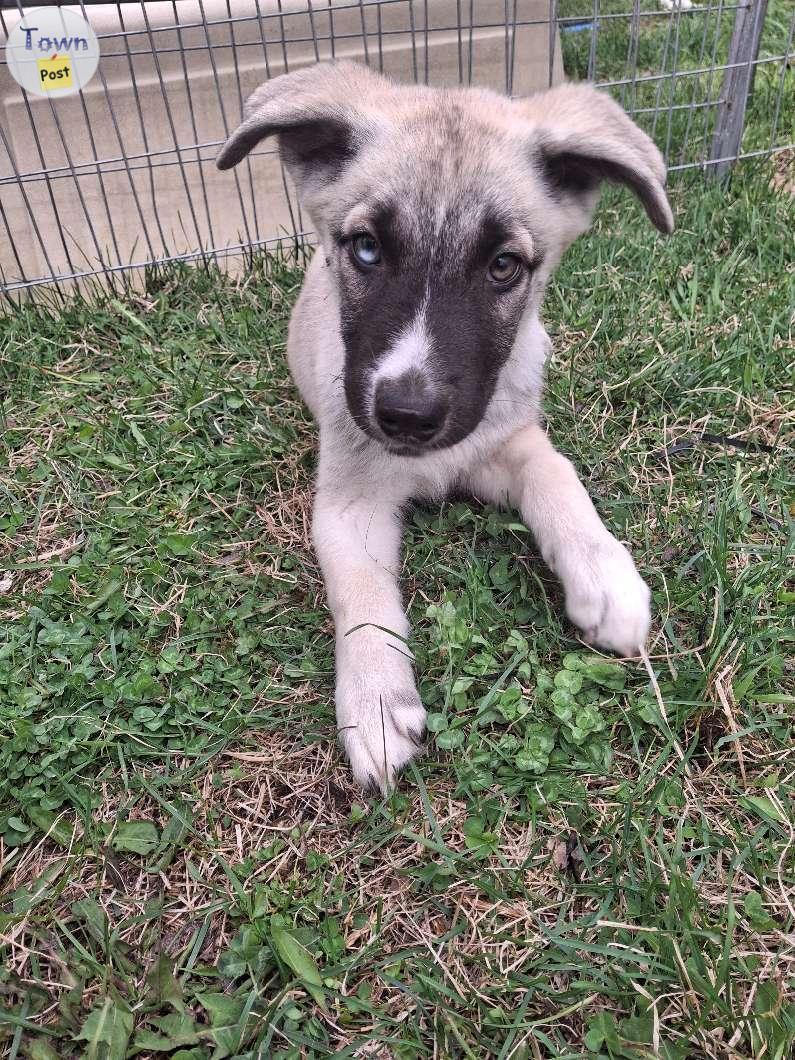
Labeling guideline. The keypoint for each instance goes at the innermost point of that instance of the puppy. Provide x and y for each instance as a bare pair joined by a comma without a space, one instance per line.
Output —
417,345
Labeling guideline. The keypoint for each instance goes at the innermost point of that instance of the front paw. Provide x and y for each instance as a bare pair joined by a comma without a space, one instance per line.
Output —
608,599
380,719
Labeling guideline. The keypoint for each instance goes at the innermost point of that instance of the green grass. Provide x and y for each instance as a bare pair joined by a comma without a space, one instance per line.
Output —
570,870
679,111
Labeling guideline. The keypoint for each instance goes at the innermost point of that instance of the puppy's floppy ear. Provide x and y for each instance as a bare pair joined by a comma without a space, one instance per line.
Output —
583,137
318,114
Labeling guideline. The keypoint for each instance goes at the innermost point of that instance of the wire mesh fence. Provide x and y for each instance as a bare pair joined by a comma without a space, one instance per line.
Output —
120,176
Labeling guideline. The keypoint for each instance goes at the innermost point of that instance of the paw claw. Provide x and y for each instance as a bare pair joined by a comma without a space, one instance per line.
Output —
608,600
378,726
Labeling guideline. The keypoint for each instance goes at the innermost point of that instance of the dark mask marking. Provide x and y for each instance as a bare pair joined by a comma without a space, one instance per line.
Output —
471,325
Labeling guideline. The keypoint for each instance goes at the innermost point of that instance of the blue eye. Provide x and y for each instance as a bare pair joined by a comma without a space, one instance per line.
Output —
366,250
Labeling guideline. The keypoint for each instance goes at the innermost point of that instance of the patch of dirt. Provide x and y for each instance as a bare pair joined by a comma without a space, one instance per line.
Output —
783,178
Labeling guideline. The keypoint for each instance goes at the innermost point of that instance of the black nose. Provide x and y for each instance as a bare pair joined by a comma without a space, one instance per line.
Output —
407,411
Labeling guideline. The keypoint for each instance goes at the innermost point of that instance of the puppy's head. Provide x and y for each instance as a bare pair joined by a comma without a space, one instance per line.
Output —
442,214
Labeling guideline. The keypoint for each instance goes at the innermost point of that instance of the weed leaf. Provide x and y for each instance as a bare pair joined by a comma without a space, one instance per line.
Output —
174,1031
299,960
91,913
107,1031
135,837
54,826
163,988
764,807
39,1049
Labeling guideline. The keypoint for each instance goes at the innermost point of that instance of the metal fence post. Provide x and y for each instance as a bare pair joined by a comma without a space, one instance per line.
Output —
737,83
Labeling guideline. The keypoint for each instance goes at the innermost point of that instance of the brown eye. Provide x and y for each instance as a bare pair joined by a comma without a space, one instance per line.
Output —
365,250
504,269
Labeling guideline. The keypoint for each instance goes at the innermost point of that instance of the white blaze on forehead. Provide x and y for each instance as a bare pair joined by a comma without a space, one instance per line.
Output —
410,352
